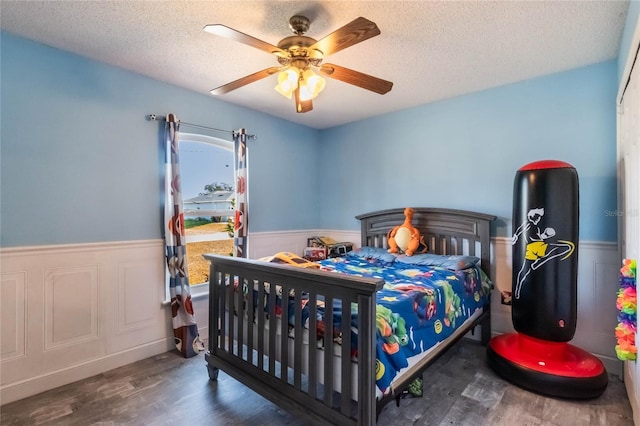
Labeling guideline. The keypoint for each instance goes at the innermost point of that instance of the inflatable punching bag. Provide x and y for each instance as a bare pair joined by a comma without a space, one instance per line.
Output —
545,255
544,289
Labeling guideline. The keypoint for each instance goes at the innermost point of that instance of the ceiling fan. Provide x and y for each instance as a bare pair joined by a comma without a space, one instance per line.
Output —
299,55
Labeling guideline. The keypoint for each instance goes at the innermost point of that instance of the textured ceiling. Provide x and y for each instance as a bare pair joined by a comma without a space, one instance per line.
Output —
430,50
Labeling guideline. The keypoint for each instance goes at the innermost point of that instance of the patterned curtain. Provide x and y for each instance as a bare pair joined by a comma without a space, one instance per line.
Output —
242,217
185,329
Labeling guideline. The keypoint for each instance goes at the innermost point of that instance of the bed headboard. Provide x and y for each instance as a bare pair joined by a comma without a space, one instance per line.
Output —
446,231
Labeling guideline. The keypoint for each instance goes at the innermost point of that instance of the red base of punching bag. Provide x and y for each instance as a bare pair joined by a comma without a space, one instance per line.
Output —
550,368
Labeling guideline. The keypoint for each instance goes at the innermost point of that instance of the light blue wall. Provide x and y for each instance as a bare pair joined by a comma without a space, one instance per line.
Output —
68,176
633,19
463,152
79,162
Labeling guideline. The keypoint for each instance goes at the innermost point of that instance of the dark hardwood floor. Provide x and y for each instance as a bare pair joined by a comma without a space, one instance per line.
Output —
169,390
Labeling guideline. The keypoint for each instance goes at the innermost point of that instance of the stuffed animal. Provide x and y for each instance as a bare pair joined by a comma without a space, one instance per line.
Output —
405,238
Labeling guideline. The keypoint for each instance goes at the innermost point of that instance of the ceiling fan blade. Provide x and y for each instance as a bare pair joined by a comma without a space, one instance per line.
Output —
360,29
244,81
230,33
302,106
356,78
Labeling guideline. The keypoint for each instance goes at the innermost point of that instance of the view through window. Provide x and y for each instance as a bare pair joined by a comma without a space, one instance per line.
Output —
208,199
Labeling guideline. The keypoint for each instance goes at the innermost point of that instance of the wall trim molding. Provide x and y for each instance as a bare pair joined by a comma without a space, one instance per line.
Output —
66,248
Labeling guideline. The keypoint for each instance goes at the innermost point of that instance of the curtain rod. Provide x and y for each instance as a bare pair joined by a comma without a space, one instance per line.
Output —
156,117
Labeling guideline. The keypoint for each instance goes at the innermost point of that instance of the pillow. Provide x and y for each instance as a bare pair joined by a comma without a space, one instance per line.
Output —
372,253
453,263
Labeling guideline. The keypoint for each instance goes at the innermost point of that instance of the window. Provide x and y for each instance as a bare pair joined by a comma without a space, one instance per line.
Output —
208,197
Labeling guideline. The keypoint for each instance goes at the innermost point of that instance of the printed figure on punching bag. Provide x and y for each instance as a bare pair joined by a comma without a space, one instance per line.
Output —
545,257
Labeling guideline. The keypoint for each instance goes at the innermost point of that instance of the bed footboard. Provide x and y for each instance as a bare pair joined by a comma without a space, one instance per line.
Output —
249,298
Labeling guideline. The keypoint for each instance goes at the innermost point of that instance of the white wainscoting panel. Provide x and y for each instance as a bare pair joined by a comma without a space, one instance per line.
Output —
501,271
137,318
73,311
70,306
263,244
13,315
137,306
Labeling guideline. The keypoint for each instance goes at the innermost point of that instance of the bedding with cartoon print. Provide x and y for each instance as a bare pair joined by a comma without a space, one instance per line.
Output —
419,305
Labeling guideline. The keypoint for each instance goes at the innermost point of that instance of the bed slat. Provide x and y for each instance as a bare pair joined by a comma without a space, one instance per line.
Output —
284,335
313,331
261,326
345,358
272,330
297,341
328,351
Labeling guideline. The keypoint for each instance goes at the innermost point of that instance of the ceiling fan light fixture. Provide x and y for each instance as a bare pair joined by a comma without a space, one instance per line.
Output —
287,82
305,94
311,84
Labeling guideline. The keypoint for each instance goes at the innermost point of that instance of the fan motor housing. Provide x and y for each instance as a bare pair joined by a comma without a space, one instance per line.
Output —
298,48
299,43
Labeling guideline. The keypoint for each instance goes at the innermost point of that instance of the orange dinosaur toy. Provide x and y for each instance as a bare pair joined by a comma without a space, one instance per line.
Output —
405,238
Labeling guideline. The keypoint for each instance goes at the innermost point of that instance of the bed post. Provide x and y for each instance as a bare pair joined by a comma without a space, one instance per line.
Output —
485,326
367,361
484,234
214,294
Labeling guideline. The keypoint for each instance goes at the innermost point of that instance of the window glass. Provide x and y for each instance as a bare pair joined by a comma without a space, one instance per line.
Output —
208,199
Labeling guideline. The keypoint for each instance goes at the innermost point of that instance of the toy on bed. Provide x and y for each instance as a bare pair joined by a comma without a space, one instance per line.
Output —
286,258
406,238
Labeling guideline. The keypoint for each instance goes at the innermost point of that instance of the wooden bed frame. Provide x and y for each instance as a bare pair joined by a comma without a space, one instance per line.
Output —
285,370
